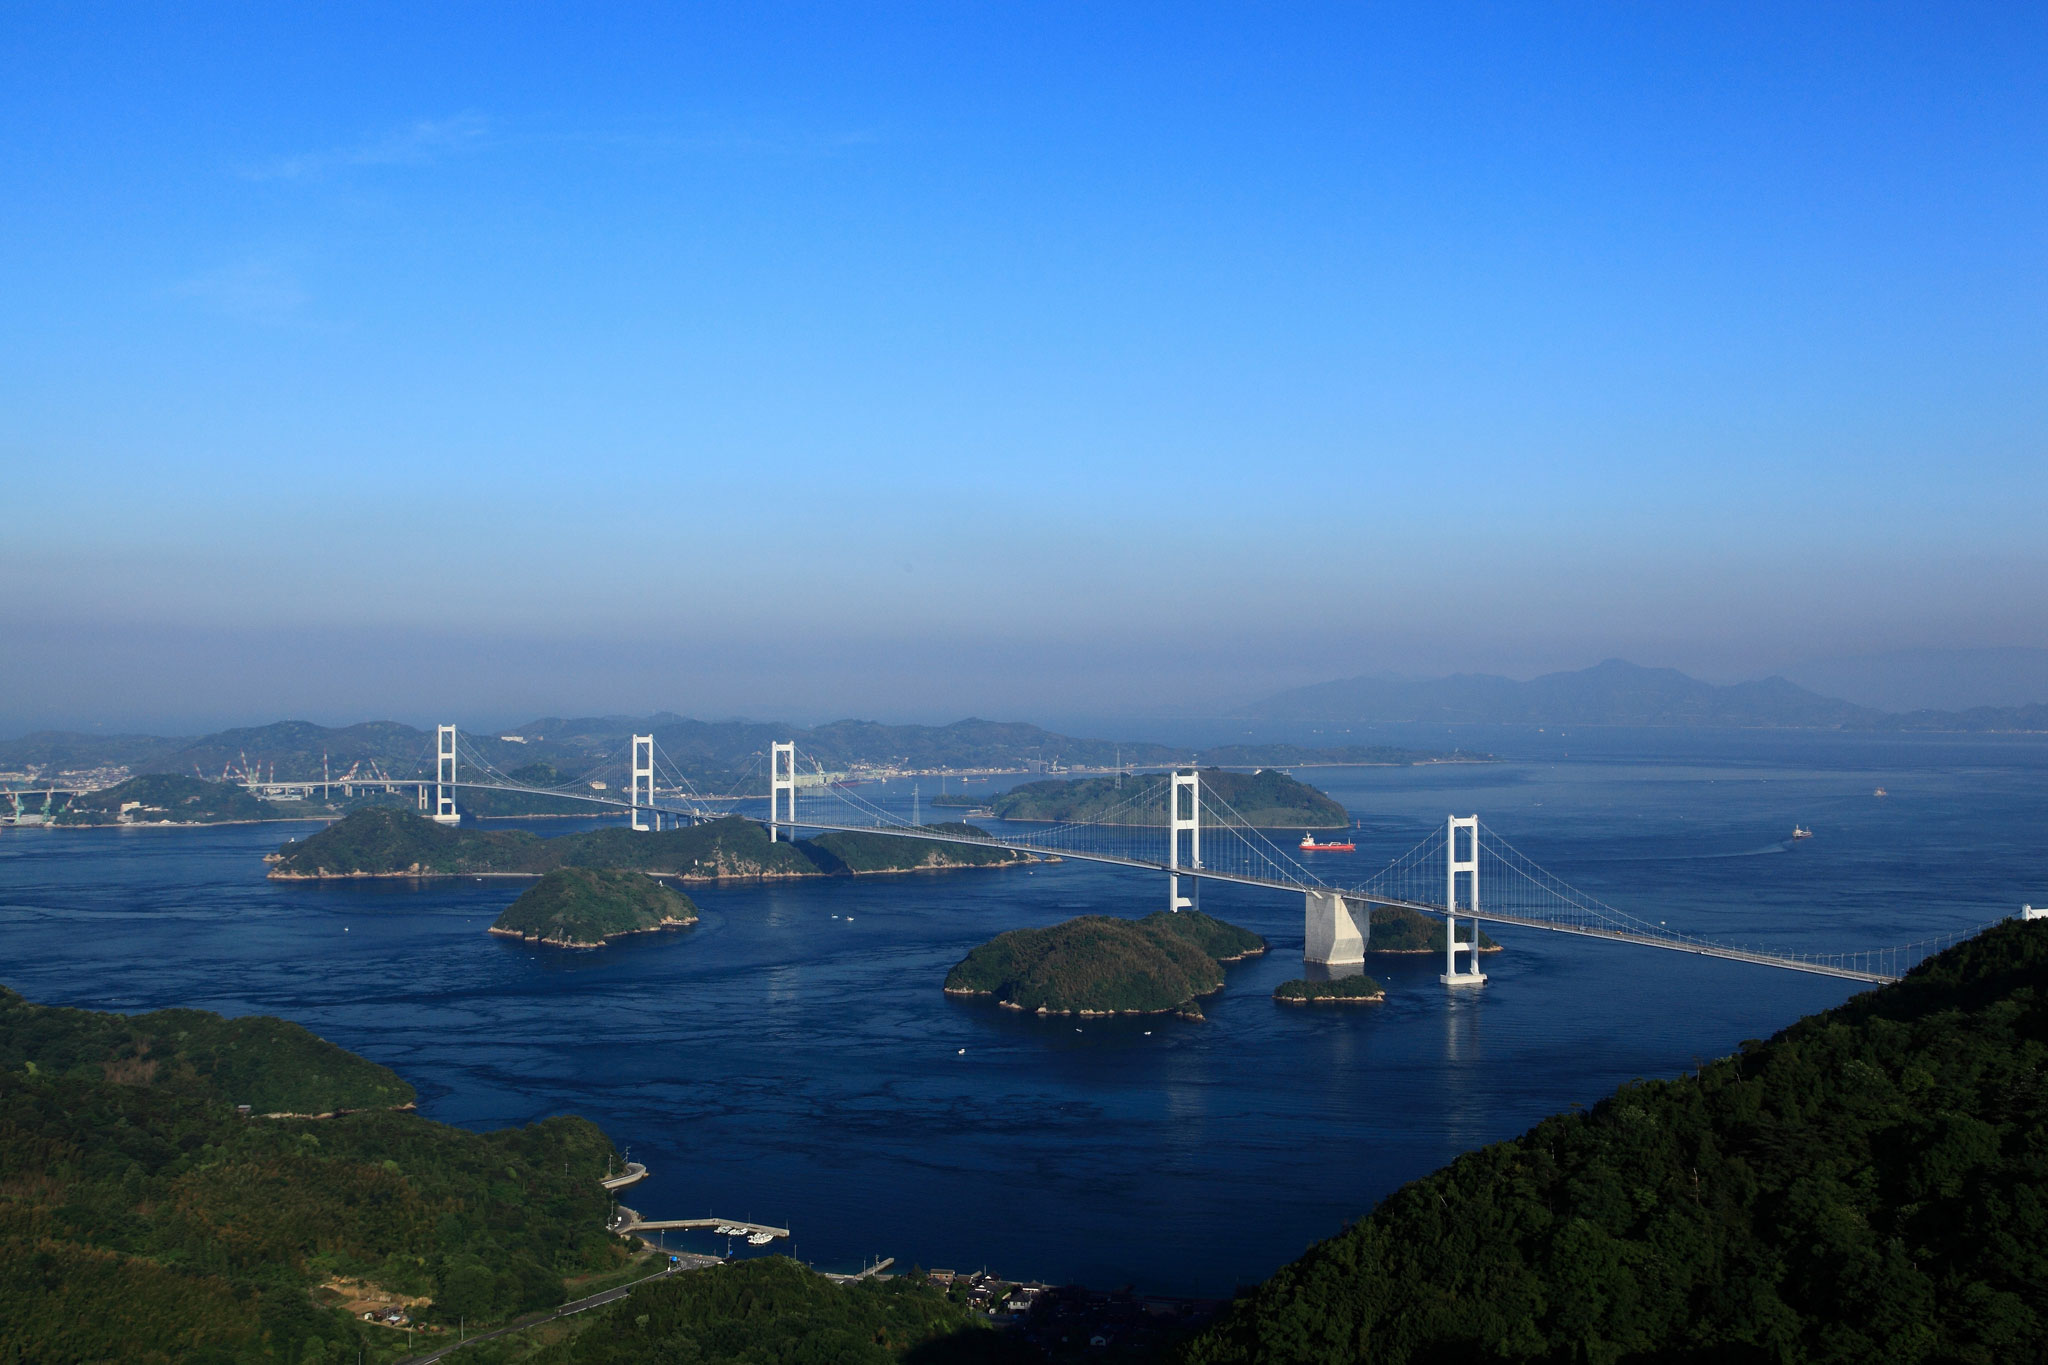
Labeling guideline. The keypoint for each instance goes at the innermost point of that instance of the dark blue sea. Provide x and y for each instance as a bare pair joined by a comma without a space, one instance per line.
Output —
792,1060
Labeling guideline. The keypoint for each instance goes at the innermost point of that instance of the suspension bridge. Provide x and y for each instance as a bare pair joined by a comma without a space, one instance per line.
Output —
1463,872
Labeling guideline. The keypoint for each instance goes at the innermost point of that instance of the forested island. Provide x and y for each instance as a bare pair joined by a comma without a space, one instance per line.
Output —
1397,929
1868,1185
382,841
1097,965
1268,800
1345,990
586,907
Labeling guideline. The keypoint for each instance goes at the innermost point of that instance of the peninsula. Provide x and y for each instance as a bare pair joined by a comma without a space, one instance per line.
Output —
1099,965
382,841
585,907
1268,800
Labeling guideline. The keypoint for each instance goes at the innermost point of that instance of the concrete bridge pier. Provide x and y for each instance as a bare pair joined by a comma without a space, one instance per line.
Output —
1332,935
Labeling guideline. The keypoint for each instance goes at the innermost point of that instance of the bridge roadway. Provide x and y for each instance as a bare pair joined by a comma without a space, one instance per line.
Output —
1680,945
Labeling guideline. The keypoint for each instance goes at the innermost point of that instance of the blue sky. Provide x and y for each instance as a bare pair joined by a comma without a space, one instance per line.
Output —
914,361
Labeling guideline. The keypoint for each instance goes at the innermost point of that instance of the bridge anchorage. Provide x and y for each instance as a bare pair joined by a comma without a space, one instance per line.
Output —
1472,874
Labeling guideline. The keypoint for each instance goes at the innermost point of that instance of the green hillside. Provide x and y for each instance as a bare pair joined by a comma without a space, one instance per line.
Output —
1269,800
846,852
142,1219
580,907
1224,942
1397,929
383,841
1100,965
1871,1184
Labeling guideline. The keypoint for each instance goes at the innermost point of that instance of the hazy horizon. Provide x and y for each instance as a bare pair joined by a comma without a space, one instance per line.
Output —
1017,362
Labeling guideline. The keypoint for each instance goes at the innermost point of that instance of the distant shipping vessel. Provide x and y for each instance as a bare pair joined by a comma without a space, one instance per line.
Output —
1309,845
1880,792
1800,832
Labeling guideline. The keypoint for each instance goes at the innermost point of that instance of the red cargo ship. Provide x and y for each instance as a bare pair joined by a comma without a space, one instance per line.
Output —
1309,845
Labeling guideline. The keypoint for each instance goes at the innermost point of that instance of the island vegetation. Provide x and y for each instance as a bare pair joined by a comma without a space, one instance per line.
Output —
1269,799
584,907
381,841
1870,1184
1398,929
144,1217
1345,990
1097,965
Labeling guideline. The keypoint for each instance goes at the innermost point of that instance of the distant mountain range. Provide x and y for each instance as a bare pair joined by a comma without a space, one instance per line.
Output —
1617,692
716,755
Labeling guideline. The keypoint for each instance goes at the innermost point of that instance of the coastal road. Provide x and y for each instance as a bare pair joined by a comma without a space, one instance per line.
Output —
578,1306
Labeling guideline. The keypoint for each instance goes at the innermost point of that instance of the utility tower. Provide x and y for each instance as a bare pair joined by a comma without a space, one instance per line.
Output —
642,795
1184,817
781,778
444,778
1467,866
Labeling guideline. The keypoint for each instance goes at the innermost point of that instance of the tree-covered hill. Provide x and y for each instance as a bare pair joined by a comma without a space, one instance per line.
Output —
1100,965
1224,942
272,1065
383,841
158,798
1397,929
143,1219
1269,799
580,907
1870,1184
860,852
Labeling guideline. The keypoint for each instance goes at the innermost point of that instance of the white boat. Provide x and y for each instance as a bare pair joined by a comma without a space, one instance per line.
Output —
761,1239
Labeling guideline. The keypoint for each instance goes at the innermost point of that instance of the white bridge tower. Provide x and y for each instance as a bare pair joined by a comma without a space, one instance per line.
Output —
781,778
1454,867
444,778
1184,795
642,795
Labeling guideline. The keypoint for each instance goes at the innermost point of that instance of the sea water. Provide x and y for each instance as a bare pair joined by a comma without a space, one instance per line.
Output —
791,1059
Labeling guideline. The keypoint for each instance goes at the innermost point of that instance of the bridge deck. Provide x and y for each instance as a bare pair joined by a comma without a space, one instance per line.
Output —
1023,845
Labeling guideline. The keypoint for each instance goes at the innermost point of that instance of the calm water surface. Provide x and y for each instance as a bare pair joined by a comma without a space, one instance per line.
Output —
792,1060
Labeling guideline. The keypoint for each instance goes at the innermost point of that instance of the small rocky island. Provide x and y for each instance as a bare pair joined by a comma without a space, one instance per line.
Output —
585,907
1269,799
1098,965
384,841
1348,990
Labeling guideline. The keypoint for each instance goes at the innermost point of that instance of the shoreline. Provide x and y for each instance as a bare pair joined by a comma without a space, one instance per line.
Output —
579,944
